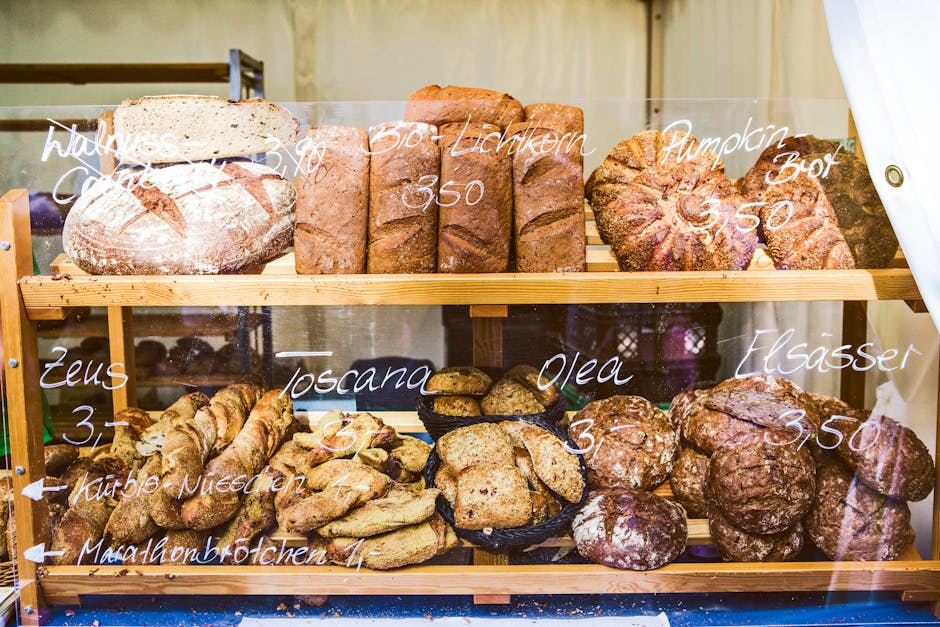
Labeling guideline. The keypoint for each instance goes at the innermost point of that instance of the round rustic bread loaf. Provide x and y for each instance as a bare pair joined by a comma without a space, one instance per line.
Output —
688,482
663,202
849,521
193,218
838,220
707,429
761,483
679,408
765,400
762,174
737,545
628,442
886,456
630,529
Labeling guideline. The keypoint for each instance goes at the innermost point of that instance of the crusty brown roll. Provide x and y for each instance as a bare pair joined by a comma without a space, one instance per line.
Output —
333,202
130,522
737,545
837,220
548,193
662,202
849,521
475,227
403,208
761,483
562,118
628,442
688,480
442,105
766,400
59,457
761,176
269,423
629,529
886,456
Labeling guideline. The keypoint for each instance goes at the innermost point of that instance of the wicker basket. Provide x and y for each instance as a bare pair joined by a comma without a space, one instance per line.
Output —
522,537
439,424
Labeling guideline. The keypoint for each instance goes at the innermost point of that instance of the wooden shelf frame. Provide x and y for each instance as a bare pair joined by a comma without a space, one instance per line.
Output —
490,578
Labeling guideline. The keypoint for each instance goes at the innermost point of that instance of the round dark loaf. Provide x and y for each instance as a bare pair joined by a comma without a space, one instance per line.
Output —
661,211
838,220
198,218
630,442
885,455
630,529
679,408
765,400
737,545
762,174
849,521
707,429
688,482
761,483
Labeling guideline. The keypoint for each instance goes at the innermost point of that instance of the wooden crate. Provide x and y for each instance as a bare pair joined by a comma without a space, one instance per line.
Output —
490,578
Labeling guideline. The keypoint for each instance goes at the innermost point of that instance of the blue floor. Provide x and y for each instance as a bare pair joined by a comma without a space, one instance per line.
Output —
683,610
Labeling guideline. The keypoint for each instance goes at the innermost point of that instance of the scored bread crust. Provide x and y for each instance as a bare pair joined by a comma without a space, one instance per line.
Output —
762,483
631,529
838,220
173,129
737,545
658,211
402,211
475,235
849,521
688,481
181,219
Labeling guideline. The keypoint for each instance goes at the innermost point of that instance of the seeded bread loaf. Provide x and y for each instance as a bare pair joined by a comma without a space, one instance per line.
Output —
476,228
548,200
459,381
442,105
403,186
333,202
172,129
567,120
195,218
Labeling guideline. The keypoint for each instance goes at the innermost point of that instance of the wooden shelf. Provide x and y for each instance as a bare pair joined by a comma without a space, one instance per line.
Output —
85,73
277,284
62,583
152,325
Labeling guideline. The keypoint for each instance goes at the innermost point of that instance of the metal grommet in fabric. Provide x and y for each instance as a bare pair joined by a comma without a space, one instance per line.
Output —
894,176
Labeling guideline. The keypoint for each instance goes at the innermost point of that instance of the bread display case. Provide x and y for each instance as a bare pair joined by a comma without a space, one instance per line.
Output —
668,219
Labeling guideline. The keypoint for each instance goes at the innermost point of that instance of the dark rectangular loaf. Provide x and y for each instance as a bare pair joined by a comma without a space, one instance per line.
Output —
444,105
548,198
476,228
333,202
403,185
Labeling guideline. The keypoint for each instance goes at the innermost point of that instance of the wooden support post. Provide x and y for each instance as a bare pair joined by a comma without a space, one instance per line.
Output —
21,369
854,333
935,528
487,323
121,339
